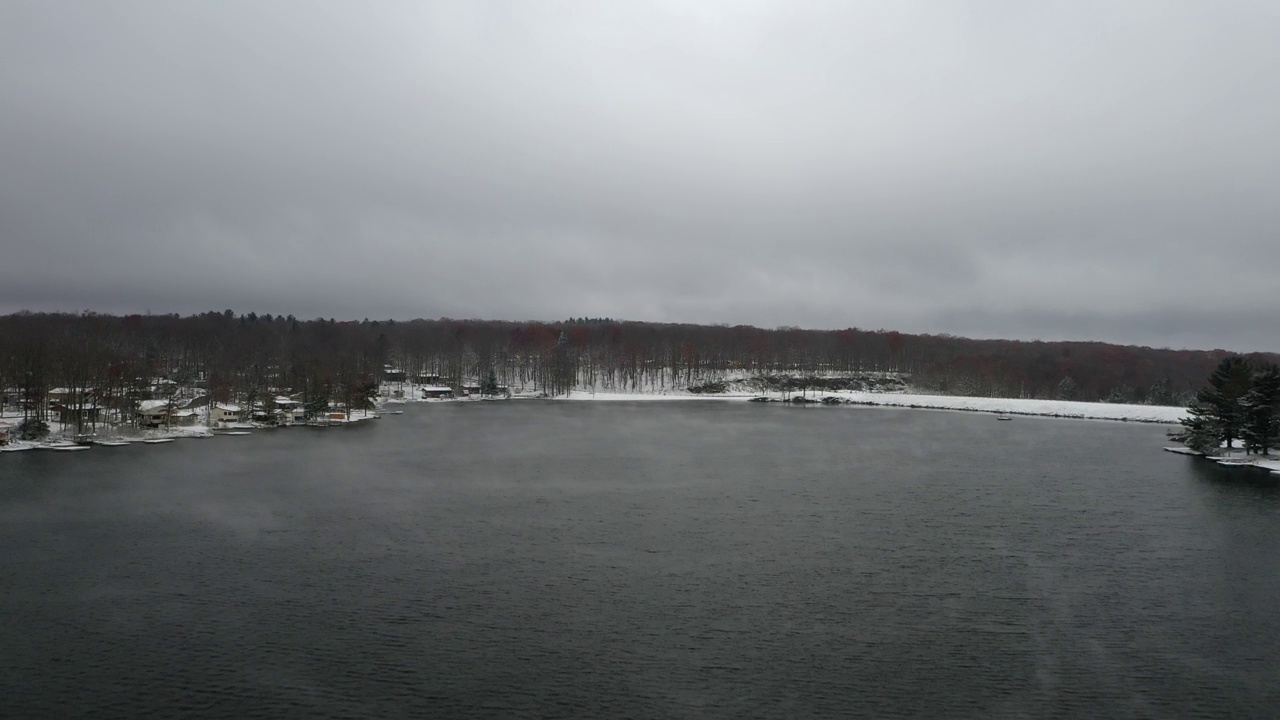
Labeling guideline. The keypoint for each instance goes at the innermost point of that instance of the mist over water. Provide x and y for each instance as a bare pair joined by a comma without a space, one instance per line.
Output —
537,559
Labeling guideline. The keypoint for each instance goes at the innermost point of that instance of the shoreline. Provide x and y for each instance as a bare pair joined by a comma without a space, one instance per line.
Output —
1234,459
1066,409
1001,407
62,439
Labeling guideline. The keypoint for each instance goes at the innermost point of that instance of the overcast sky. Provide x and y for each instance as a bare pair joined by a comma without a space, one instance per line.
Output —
1035,170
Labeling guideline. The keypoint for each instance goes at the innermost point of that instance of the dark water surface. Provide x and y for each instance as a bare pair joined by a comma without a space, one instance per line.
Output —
532,559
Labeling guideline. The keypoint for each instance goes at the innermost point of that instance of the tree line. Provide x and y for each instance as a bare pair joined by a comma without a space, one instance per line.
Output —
115,361
1240,401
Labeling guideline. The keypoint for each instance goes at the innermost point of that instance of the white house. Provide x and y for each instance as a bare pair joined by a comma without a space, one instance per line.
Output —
223,412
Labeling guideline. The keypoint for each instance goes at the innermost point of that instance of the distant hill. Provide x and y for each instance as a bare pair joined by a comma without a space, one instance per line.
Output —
240,356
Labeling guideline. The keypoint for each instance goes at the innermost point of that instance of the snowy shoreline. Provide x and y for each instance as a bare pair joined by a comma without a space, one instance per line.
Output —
1000,406
109,436
1007,407
1234,459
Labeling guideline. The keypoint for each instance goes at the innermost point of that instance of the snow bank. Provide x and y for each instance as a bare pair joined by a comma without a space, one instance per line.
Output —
1233,458
606,396
1020,406
1003,406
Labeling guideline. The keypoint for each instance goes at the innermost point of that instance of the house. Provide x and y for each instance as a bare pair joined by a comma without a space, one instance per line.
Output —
184,418
76,414
393,375
471,389
154,413
288,411
224,412
6,433
290,416
60,395
436,392
427,379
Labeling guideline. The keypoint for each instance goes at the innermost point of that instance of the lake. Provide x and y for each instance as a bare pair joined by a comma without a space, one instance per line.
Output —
683,559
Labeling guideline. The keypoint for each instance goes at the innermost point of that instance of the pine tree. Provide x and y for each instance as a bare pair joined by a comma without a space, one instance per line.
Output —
490,385
316,401
1261,411
1203,432
1161,393
1228,384
1067,389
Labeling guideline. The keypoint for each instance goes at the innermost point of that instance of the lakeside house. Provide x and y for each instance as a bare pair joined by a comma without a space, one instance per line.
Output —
471,389
226,412
6,433
155,413
76,414
427,379
165,413
436,392
292,416
289,411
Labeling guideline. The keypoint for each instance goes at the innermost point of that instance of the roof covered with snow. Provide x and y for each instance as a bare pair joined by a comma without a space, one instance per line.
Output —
150,405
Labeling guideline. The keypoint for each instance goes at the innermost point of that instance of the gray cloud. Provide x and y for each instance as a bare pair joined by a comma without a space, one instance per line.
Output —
1046,170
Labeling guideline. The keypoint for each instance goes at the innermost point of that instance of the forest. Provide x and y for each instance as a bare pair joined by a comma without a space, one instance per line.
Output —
113,362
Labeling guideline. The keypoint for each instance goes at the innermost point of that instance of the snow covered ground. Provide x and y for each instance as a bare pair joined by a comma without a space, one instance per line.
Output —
739,393
1235,457
1020,406
607,396
60,435
1000,406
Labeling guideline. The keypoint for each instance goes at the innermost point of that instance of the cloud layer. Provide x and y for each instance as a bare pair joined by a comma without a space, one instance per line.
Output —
1045,170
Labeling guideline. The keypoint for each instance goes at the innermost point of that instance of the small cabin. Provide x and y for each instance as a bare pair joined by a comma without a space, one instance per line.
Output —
427,379
81,414
6,433
471,389
393,375
436,392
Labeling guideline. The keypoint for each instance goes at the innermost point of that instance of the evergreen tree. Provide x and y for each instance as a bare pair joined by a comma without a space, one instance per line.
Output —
490,385
1261,411
1161,393
1202,430
1228,384
316,400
